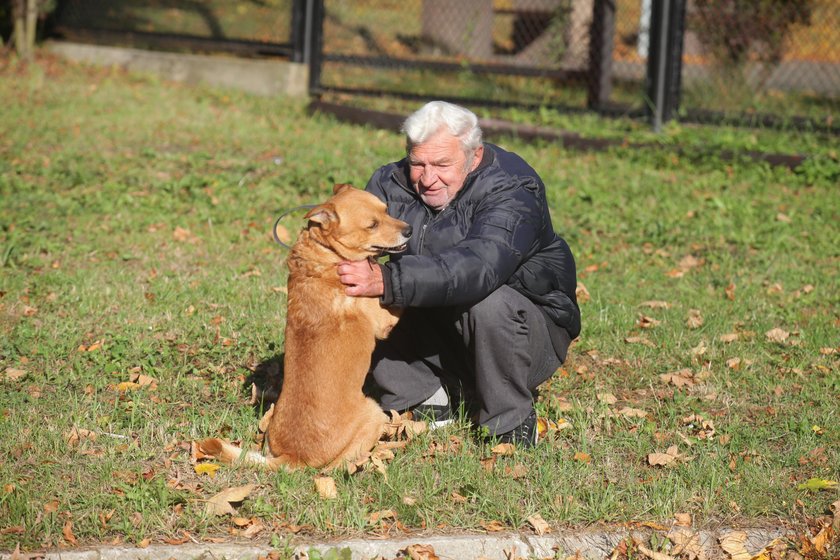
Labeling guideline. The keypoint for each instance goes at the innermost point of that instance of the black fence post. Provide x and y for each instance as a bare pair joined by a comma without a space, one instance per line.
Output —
298,30
601,33
664,68
316,45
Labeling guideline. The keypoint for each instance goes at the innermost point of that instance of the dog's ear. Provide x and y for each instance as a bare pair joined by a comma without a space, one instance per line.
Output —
323,214
339,187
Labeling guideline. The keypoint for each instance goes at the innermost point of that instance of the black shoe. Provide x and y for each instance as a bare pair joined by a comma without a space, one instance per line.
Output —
524,435
435,415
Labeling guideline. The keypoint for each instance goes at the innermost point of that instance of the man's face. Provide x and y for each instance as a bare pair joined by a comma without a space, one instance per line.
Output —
438,168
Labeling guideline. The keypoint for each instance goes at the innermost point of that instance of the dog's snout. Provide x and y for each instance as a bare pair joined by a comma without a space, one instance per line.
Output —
407,231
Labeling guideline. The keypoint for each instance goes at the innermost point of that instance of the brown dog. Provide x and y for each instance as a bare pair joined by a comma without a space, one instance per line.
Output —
322,418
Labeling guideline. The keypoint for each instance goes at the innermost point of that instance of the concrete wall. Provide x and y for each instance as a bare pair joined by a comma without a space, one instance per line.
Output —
261,77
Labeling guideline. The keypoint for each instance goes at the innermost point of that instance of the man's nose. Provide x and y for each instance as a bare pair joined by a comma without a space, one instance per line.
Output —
429,176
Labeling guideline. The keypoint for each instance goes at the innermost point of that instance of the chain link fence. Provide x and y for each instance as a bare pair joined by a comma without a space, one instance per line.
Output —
517,52
752,59
244,28
744,61
759,62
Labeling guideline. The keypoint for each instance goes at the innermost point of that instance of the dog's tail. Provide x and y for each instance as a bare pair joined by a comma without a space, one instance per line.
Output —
228,453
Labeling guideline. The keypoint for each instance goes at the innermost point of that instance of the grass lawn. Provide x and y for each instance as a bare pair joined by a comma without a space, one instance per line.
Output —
141,294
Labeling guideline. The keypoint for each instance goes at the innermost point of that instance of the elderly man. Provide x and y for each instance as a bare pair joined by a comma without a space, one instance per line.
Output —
486,286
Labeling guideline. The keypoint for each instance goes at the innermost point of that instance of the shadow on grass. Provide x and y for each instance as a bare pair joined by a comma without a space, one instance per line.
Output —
267,381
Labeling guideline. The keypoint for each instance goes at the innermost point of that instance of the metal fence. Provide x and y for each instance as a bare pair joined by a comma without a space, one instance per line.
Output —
244,28
753,62
517,52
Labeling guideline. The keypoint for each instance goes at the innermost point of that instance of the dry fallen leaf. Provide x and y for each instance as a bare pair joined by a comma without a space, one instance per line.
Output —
729,337
67,531
694,320
546,426
700,349
680,378
492,526
652,554
777,335
51,506
126,386
77,435
403,426
663,459
539,524
380,515
582,457
581,293
220,504
180,234
503,449
823,539
733,544
325,486
690,261
734,363
488,463
686,542
458,498
517,471
646,322
420,552
253,530
184,539
683,519
632,412
639,340
13,374
207,468
606,398
143,380
730,292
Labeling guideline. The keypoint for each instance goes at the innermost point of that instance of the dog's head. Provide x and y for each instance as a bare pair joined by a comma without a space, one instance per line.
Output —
355,224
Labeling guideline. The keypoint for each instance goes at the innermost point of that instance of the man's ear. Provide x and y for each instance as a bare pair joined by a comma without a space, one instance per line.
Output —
339,187
323,215
477,157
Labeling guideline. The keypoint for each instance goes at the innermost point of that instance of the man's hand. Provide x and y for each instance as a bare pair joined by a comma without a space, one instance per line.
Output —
362,278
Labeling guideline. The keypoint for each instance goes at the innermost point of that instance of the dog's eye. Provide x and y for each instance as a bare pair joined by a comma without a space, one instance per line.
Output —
374,224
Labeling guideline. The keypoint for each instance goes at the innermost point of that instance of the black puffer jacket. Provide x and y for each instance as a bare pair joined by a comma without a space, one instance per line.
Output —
497,230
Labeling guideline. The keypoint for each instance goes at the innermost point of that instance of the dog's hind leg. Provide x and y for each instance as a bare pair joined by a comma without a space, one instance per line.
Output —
370,429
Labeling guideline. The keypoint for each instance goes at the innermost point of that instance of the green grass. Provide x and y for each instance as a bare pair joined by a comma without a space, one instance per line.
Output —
135,223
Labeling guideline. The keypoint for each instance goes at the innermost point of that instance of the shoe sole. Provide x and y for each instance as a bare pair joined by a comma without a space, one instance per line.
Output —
439,424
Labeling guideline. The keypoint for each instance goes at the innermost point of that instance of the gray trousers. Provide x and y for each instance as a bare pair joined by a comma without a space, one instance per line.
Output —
493,356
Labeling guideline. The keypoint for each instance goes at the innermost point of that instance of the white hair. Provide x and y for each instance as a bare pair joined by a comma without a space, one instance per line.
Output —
435,115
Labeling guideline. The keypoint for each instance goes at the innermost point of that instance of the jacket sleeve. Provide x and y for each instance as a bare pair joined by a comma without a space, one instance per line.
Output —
503,232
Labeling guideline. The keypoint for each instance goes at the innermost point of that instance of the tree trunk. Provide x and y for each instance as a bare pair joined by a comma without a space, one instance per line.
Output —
31,26
25,15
